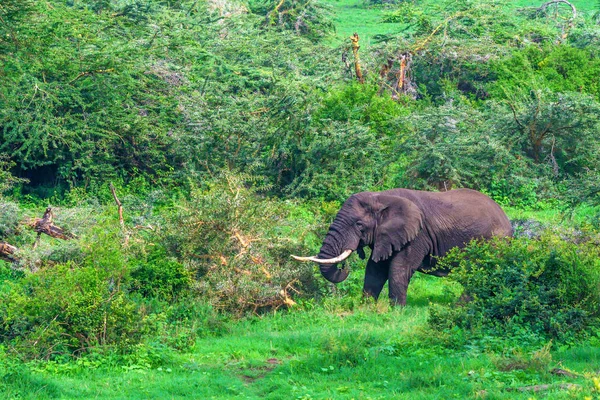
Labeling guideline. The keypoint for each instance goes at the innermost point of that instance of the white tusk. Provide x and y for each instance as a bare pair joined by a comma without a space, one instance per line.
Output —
335,260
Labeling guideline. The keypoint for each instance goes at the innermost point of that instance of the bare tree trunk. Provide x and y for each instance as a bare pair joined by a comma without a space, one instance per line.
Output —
355,46
120,211
398,81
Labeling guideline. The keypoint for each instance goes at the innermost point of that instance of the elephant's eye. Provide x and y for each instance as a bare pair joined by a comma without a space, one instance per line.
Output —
360,226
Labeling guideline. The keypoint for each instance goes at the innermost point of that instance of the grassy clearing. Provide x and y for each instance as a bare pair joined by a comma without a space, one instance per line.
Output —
371,351
357,16
554,216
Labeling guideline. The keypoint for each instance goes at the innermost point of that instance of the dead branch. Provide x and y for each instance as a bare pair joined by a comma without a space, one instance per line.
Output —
120,211
244,241
90,73
564,372
275,302
275,11
422,45
144,227
287,300
555,168
570,22
544,6
514,111
404,84
346,62
45,225
398,81
119,205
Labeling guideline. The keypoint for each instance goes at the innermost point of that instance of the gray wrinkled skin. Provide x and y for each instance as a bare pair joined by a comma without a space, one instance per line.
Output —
406,230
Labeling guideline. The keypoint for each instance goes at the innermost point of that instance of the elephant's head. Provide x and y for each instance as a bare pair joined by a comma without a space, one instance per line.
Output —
381,221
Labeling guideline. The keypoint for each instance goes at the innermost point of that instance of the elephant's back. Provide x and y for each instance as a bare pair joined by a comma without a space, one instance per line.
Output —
459,207
483,212
467,210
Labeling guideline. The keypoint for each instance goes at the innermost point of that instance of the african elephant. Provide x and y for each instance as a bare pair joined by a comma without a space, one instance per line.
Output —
406,230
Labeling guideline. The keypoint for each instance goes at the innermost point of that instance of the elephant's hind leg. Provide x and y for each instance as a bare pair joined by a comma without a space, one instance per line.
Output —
376,275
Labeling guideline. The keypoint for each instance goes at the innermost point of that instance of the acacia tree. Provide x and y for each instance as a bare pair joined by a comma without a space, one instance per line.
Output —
88,99
307,18
451,146
559,128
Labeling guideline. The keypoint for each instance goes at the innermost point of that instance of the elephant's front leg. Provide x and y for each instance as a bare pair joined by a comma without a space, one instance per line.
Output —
402,267
376,275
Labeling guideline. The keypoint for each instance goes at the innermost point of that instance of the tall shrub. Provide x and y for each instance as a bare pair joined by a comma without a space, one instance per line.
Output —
550,287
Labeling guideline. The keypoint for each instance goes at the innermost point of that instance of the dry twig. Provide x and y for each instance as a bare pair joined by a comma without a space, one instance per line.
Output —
570,22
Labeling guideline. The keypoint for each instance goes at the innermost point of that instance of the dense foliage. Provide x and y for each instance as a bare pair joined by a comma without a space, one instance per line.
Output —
549,287
165,91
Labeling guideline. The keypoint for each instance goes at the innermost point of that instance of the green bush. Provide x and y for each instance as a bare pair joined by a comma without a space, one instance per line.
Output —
68,310
159,276
88,119
451,146
178,325
559,68
549,287
364,103
7,180
553,129
9,218
521,192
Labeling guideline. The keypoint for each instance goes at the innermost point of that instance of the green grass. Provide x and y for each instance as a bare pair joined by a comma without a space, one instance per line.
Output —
332,352
583,6
356,16
554,216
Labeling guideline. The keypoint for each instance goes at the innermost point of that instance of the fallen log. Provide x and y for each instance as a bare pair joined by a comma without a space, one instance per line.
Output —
564,372
45,225
7,251
541,388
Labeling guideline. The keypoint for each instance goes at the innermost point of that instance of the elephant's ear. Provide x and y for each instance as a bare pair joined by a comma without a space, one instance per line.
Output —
400,221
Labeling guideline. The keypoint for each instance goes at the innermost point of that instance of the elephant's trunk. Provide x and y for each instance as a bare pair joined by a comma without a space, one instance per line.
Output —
333,274
332,249
339,243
